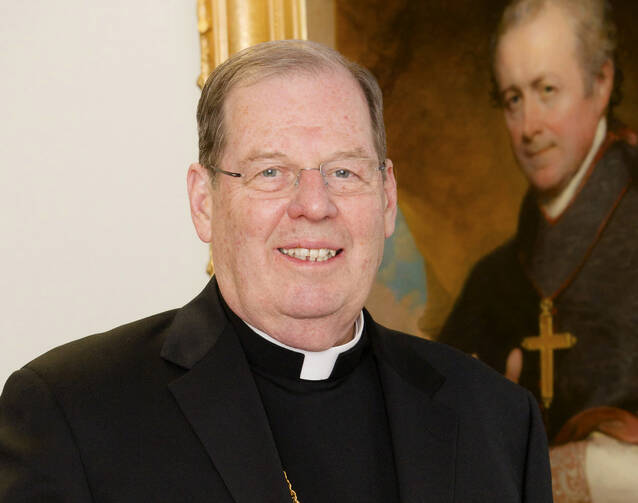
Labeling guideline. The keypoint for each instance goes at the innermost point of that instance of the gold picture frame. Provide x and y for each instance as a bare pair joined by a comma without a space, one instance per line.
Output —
228,26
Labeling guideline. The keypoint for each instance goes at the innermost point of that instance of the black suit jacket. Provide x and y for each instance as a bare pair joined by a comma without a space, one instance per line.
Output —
166,409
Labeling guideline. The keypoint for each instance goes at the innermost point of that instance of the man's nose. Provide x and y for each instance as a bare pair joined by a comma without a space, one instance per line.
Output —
532,120
312,198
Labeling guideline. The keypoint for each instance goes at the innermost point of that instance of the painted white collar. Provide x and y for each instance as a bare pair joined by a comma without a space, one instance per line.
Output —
558,204
318,365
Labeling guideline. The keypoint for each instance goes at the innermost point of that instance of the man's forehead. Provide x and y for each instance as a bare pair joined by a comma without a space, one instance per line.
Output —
309,100
535,48
541,29
326,75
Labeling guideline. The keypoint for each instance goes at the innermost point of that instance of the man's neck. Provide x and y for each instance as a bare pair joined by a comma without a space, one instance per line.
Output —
318,365
556,205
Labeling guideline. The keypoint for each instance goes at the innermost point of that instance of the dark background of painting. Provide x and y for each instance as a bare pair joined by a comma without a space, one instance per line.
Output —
459,186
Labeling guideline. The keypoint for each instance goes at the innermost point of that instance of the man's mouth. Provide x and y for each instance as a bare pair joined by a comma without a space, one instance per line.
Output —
534,152
310,254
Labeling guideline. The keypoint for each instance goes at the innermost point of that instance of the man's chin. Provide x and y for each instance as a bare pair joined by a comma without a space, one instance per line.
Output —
310,310
317,309
545,181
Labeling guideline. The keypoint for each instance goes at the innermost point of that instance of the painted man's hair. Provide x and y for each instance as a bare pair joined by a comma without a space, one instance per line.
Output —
595,32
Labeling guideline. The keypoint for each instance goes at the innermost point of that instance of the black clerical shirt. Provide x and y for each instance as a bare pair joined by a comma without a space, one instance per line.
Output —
332,435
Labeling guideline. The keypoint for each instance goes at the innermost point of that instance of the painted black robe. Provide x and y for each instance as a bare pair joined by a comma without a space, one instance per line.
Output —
587,259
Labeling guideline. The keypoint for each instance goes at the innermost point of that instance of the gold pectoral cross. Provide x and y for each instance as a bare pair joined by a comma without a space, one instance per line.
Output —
547,342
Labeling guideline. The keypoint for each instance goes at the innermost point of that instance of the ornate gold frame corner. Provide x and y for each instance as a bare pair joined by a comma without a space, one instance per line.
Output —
228,26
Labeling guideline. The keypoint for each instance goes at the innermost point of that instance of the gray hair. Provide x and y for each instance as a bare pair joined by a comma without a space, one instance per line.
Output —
595,32
269,59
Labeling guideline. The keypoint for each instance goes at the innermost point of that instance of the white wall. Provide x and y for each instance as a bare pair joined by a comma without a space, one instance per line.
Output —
97,128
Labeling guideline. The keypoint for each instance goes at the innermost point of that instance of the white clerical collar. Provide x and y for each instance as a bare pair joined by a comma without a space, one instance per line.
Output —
557,205
318,365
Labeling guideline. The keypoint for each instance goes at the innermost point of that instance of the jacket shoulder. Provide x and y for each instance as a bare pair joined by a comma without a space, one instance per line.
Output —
126,346
493,418
462,377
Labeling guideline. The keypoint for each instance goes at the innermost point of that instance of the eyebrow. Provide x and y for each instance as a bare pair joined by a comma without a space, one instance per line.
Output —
255,156
534,84
264,155
354,153
539,80
511,88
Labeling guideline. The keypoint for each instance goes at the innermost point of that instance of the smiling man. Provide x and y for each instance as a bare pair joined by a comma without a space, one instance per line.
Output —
274,384
574,260
298,238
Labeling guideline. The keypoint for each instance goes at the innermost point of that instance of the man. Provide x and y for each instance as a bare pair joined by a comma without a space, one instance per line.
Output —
574,260
273,385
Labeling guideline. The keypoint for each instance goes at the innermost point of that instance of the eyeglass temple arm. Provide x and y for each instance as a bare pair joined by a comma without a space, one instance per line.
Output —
229,173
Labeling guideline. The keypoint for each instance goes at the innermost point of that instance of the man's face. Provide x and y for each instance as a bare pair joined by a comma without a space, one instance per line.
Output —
550,116
303,121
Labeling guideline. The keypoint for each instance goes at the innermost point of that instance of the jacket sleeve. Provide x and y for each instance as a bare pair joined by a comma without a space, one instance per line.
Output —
39,459
537,482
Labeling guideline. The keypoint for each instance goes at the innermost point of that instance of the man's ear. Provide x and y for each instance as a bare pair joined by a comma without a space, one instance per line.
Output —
201,200
604,85
390,198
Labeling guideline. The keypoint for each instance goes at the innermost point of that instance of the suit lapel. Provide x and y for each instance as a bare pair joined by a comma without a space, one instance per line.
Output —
220,400
423,431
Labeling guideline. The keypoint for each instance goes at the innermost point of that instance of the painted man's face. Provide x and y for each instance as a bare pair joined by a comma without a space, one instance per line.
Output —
550,114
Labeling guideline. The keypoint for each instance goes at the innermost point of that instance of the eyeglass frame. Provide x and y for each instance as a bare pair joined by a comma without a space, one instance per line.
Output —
382,167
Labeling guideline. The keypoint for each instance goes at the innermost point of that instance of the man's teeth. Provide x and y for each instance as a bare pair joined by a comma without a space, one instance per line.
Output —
313,254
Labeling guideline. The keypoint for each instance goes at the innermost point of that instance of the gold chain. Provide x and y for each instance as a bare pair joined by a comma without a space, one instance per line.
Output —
293,494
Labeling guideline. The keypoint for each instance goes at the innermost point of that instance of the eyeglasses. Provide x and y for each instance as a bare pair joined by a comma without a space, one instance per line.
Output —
341,177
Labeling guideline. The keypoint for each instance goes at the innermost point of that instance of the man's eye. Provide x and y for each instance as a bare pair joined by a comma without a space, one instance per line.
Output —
548,89
270,172
343,173
512,101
